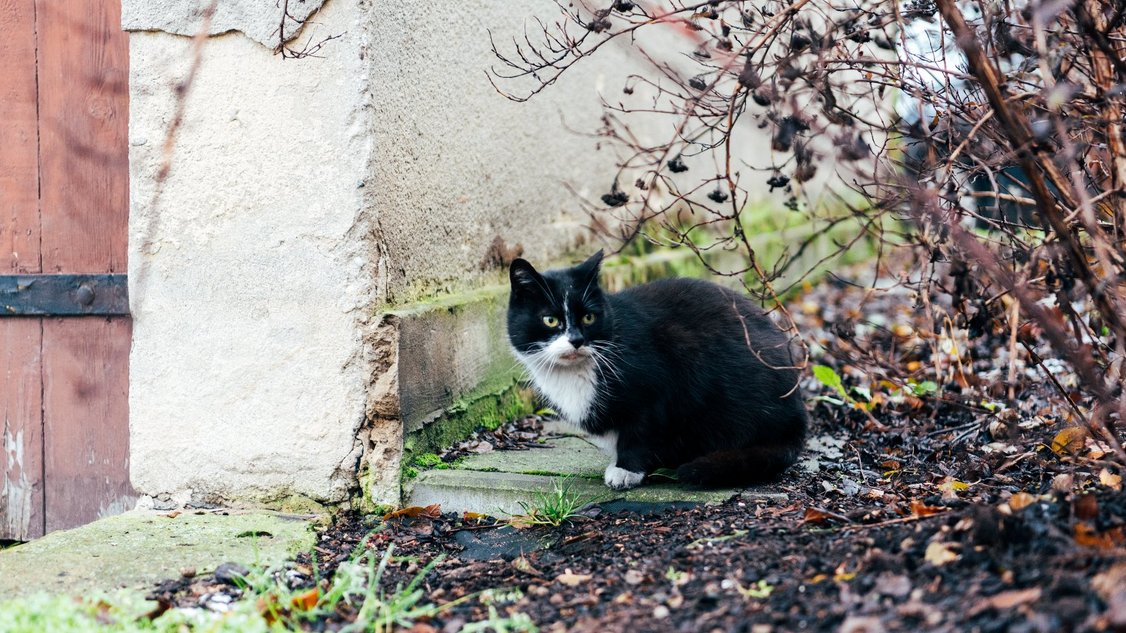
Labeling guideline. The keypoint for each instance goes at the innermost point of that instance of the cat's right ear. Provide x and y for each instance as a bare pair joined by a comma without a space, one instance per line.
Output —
523,275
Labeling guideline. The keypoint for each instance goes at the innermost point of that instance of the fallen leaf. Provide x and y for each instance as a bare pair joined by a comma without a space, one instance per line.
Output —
521,563
1069,440
1110,480
1088,536
432,511
474,516
571,579
818,516
951,487
1006,600
173,514
1021,500
307,600
1086,507
918,508
938,554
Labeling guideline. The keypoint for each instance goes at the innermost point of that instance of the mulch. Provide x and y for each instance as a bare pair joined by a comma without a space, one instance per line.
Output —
949,508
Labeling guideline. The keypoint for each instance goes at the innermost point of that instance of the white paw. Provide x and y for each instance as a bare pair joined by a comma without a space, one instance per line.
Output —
622,479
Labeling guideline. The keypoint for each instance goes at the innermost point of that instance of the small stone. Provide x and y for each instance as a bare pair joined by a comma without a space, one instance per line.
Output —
231,573
661,612
187,572
634,577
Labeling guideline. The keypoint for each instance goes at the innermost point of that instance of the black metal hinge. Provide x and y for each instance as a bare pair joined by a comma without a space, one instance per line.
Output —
63,295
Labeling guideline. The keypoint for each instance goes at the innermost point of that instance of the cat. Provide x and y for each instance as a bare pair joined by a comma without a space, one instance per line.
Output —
675,373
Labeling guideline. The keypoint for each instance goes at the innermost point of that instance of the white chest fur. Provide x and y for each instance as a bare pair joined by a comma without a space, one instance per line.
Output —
570,390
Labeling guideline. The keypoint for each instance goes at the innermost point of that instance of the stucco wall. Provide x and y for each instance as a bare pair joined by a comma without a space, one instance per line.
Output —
305,198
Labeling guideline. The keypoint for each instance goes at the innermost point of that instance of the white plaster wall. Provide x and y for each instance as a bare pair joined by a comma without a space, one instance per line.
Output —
304,197
457,163
249,272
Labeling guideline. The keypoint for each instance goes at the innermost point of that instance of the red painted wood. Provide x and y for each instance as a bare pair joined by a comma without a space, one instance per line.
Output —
19,148
83,135
21,430
83,68
21,425
85,419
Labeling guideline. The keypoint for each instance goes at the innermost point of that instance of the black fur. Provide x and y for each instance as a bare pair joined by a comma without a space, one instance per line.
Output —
701,379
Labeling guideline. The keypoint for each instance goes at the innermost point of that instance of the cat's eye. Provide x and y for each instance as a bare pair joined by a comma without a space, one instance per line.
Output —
588,318
551,321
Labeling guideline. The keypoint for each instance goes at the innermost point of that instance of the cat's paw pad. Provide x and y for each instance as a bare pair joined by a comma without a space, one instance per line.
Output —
622,479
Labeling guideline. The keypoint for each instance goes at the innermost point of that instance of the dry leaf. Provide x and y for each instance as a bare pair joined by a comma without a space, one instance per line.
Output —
951,487
1021,500
918,508
1086,507
817,516
938,554
520,563
474,516
1006,600
1110,480
432,511
173,514
1069,440
572,579
1088,536
307,600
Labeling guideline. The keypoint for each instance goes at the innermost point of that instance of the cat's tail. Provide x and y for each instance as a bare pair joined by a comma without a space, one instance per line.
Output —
739,467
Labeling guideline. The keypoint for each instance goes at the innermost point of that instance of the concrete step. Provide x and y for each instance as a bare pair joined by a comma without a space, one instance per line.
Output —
497,482
138,549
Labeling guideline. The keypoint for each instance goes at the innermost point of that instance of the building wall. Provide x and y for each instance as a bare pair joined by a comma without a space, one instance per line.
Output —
304,197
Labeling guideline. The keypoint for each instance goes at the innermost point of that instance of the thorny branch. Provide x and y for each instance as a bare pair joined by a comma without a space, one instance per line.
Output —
985,136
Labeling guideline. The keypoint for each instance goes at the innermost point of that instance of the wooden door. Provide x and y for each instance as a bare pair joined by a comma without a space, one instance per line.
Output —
64,325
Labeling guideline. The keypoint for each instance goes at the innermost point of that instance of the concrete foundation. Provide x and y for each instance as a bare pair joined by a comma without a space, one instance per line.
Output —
290,216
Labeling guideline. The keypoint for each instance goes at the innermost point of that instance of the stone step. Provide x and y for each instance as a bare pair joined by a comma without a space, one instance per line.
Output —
498,482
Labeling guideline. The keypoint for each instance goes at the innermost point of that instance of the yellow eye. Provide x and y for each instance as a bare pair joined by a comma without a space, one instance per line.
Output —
588,318
550,321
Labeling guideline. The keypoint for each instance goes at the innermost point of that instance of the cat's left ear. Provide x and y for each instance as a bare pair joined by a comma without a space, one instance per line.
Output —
589,269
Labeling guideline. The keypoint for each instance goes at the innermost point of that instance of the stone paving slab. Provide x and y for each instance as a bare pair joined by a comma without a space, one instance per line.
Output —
498,482
135,550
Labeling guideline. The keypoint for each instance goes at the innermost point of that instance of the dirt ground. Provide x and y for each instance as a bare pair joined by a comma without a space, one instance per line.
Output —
927,500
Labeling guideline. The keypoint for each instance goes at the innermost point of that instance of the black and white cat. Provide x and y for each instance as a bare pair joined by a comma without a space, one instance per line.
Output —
677,373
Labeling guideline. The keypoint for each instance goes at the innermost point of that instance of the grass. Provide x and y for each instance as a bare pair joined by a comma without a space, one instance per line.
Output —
553,507
267,605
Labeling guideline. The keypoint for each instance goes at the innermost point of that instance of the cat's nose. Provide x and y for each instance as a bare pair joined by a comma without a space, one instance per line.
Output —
576,341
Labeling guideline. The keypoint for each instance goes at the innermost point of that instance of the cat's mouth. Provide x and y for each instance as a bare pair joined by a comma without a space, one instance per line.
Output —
573,357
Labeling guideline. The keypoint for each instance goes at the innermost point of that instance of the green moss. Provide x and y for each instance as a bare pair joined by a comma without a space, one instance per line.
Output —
430,460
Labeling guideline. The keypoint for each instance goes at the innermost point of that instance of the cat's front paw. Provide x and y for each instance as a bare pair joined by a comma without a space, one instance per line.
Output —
622,479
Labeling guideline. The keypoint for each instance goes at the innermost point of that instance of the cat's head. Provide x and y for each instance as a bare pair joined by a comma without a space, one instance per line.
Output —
558,317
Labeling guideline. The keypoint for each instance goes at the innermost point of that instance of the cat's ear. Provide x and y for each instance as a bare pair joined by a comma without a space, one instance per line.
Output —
523,275
589,269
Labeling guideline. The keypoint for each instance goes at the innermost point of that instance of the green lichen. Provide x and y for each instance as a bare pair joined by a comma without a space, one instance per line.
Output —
430,460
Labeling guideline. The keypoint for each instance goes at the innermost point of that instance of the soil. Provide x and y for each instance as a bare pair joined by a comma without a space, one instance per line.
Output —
950,508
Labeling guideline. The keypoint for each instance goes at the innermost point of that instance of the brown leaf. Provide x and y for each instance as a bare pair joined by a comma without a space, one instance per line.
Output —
474,516
521,563
1005,600
918,508
1088,536
1086,507
571,579
1110,480
1069,440
938,554
817,516
173,514
432,511
1021,500
307,600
